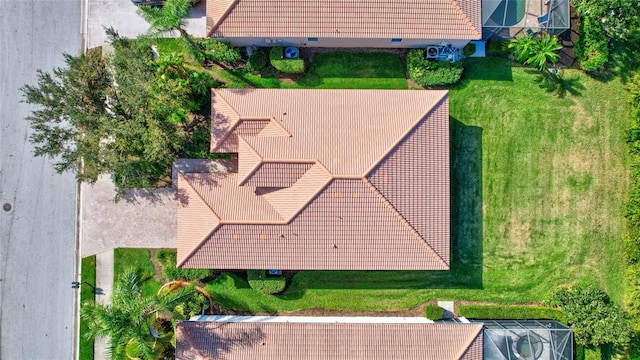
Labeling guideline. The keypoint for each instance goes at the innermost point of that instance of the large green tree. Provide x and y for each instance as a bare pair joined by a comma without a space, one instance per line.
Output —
621,18
129,320
594,319
124,114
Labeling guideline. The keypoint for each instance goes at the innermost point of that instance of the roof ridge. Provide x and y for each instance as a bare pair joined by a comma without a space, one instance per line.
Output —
404,136
212,147
404,221
222,17
312,196
473,339
201,242
465,18
274,121
255,168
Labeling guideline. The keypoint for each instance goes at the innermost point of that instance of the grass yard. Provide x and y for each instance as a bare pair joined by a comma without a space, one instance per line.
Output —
139,259
333,70
539,185
88,274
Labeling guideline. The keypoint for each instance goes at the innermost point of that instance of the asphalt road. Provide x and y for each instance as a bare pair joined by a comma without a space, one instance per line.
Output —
37,236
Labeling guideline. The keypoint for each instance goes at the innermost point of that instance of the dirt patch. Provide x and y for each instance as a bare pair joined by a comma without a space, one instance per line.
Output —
157,268
583,121
518,233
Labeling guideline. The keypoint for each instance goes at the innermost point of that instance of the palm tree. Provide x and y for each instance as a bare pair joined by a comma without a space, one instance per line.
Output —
127,321
536,51
169,18
545,50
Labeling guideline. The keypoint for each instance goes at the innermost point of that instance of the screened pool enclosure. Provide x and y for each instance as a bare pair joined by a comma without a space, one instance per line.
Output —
509,18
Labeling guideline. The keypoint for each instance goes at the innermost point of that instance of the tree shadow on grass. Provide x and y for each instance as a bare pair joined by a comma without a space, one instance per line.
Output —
560,84
466,234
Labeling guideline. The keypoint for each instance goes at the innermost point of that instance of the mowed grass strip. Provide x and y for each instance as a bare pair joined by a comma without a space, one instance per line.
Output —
88,274
539,185
331,70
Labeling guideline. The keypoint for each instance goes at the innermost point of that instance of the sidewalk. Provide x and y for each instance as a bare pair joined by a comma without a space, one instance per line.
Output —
104,281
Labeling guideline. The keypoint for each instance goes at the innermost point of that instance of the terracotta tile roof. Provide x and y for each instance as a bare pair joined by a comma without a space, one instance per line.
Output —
409,19
360,181
321,340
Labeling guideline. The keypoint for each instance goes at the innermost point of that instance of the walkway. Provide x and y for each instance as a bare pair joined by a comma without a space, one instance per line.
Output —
104,282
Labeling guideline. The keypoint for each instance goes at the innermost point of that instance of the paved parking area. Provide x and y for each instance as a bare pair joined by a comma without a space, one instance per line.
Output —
140,220
122,16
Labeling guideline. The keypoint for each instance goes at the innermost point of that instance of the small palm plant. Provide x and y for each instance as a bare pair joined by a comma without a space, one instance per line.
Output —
536,51
128,320
171,17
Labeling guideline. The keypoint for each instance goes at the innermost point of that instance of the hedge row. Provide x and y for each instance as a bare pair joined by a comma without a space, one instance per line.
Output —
289,66
257,61
433,312
259,281
219,52
432,73
167,260
507,312
632,243
592,48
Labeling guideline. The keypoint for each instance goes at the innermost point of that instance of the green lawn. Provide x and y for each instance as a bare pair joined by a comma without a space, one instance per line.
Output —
88,274
139,259
539,185
334,70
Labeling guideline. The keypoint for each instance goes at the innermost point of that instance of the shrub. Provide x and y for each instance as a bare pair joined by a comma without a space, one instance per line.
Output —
259,281
289,66
430,73
219,52
509,312
433,312
594,319
591,49
257,61
497,48
167,260
469,49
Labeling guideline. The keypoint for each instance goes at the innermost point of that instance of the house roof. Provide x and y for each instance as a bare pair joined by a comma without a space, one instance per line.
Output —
419,19
327,340
334,179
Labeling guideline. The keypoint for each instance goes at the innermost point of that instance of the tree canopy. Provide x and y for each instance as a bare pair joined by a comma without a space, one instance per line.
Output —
128,321
594,319
124,114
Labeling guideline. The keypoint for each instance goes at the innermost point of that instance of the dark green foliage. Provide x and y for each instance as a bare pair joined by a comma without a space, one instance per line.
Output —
167,260
127,319
132,131
257,61
469,49
433,312
508,312
288,66
259,281
632,242
498,48
592,48
219,52
621,17
432,73
594,319
536,50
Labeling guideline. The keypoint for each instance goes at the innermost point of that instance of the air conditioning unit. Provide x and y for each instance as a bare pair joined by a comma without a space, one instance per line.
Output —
432,52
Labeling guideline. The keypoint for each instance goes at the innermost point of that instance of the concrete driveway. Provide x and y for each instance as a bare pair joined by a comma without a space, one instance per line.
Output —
122,16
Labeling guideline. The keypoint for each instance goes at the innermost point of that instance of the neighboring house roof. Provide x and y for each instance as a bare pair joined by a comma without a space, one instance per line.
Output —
327,179
410,19
257,339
